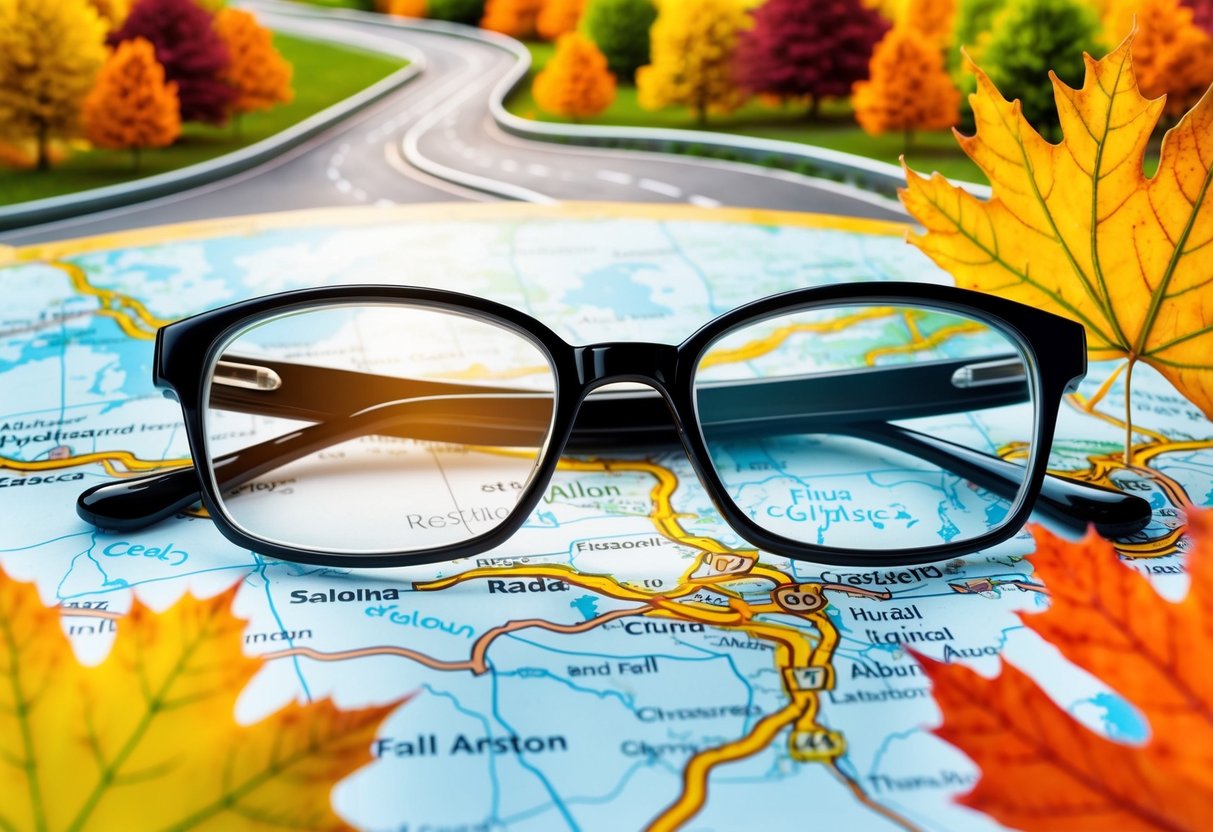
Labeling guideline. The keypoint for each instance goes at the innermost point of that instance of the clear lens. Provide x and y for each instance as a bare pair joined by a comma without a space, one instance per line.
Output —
869,428
365,429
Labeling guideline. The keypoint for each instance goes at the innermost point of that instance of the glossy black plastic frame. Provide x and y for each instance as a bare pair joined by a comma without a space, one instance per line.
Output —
1053,349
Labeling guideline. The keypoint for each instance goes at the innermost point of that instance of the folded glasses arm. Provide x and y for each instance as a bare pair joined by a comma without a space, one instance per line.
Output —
855,402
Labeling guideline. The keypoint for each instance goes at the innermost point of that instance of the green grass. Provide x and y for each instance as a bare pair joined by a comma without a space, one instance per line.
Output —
835,128
324,75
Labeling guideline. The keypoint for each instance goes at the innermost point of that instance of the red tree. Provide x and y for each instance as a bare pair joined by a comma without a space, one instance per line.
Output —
1202,14
189,50
814,48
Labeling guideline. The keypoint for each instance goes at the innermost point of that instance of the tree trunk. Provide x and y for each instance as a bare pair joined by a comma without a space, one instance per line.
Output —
44,150
907,140
137,158
814,107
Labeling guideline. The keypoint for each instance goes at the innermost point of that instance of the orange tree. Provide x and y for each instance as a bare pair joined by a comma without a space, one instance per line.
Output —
908,89
575,82
557,17
132,107
50,53
261,77
1171,54
515,18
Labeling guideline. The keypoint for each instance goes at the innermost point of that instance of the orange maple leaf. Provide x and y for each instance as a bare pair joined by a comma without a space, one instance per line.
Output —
1040,768
1078,229
148,738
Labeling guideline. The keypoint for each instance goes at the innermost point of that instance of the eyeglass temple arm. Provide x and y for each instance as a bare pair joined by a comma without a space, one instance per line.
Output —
498,416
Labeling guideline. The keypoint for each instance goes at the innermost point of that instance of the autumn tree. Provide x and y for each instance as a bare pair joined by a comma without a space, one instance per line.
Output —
113,12
909,88
49,55
401,8
1030,37
692,44
515,18
620,29
1171,54
190,51
260,75
576,81
557,17
1202,14
935,19
132,107
808,48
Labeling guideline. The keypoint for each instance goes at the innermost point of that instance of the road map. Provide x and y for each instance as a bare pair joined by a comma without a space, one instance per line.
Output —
625,661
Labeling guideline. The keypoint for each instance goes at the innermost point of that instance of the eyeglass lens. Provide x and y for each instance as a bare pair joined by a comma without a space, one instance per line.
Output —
375,428
855,429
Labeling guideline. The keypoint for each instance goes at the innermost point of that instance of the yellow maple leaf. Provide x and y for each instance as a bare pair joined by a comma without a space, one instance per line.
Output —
1077,228
148,738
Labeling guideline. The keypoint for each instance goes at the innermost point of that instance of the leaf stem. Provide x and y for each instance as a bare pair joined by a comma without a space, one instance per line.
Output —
1129,411
21,707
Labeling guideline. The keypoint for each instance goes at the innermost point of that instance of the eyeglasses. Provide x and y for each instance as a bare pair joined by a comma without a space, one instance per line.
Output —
860,424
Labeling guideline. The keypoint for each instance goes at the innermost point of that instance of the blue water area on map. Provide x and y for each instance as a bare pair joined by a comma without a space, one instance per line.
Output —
587,605
1120,719
615,288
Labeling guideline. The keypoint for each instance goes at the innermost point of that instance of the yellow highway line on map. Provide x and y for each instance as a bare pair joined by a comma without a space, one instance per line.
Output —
772,341
128,460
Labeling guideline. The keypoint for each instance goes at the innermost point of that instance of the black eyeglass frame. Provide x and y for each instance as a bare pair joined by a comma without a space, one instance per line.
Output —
1053,348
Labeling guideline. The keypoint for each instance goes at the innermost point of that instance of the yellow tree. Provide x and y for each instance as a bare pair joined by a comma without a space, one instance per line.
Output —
1172,55
113,12
576,81
908,87
515,18
131,107
692,45
259,74
558,17
49,55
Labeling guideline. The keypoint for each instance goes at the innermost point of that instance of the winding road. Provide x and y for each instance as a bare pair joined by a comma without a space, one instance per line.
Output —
434,140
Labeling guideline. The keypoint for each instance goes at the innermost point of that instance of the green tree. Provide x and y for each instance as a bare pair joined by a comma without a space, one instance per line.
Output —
1031,37
973,19
457,11
50,53
620,29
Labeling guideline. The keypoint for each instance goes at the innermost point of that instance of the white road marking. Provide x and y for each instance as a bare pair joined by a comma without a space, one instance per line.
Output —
663,188
344,186
538,170
333,173
703,201
615,176
384,203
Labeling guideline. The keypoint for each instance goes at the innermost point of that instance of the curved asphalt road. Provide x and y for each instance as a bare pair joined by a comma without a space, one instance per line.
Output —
441,120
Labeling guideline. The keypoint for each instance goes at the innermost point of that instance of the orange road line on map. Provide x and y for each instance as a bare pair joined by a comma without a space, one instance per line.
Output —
85,612
475,663
862,796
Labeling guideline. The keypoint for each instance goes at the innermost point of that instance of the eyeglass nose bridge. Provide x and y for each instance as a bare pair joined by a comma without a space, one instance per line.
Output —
647,363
